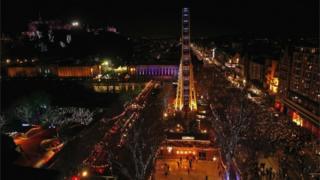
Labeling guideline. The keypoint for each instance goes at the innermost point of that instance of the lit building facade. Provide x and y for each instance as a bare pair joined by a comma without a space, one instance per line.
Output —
166,72
154,70
272,79
77,71
186,93
256,71
22,72
299,86
55,71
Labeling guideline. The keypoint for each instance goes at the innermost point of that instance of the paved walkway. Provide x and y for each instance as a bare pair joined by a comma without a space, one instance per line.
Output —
34,155
199,171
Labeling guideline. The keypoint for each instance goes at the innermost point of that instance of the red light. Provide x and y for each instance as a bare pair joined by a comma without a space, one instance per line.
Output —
75,178
100,170
291,113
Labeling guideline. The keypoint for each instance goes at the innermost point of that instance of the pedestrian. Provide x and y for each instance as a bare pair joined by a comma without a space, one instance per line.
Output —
165,169
165,172
178,164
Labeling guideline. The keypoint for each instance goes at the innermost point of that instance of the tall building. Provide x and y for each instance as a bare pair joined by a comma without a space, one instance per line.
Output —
186,93
299,86
256,71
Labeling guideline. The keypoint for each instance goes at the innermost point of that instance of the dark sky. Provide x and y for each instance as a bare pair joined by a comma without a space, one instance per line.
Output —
160,18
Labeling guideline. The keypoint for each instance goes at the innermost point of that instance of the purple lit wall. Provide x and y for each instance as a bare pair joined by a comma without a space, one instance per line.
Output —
157,70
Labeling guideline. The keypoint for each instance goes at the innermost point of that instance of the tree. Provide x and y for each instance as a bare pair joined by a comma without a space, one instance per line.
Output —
63,117
80,115
30,109
141,146
24,112
230,122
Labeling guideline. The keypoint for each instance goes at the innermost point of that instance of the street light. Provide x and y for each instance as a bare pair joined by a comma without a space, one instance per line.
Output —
84,173
75,23
105,63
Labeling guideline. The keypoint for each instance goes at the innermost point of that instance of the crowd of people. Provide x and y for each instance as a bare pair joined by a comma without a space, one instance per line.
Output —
272,136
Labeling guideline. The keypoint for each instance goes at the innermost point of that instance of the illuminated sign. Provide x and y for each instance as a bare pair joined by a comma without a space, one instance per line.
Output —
187,138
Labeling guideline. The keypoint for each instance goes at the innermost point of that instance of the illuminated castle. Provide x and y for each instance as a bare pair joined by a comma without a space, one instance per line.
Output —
186,93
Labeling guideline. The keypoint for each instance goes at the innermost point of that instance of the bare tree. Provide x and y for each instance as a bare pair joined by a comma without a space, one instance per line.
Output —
30,108
142,146
63,117
80,115
25,112
231,121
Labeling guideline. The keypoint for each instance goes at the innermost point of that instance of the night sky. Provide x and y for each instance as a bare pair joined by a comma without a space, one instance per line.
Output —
160,18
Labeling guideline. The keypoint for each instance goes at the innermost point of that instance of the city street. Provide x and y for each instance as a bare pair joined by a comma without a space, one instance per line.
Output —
156,90
273,131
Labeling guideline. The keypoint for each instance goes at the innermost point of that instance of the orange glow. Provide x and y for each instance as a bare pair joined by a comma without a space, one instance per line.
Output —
272,80
22,71
296,118
274,85
84,173
81,71
48,155
186,152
